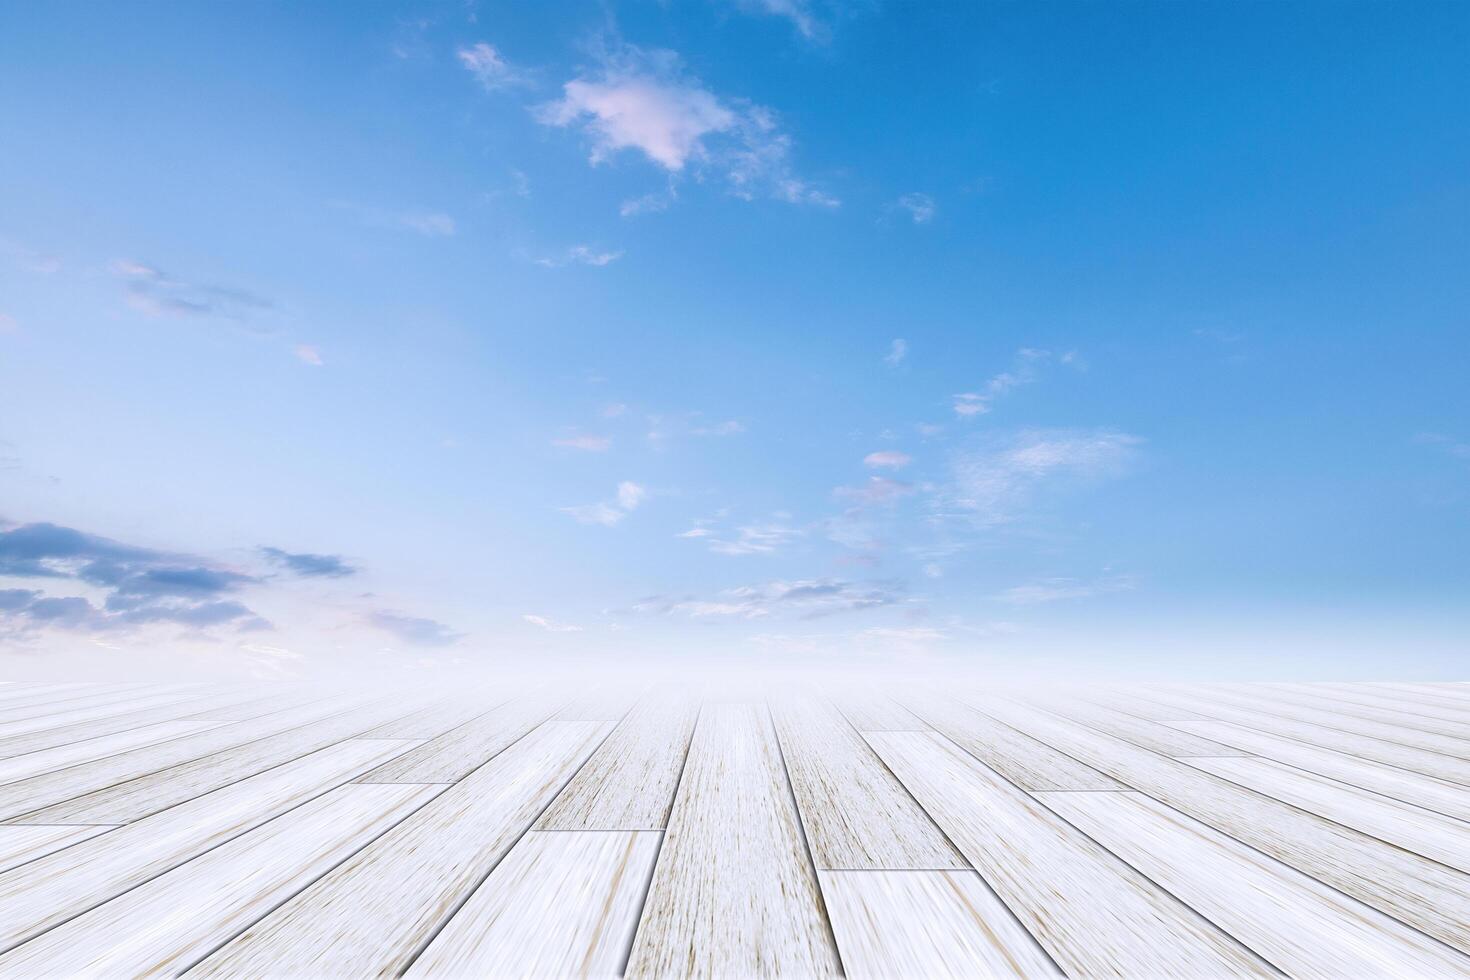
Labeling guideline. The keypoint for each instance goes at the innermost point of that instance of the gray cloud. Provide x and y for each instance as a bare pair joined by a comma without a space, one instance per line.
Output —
414,629
309,565
153,292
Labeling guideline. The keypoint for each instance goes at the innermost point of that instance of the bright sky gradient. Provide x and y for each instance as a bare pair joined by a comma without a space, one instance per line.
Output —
1039,337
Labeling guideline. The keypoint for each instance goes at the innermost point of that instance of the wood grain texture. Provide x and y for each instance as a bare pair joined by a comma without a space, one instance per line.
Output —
60,886
1451,799
1406,706
856,814
561,904
1140,731
1434,835
1391,753
734,893
927,924
1423,893
39,718
1296,923
1042,867
131,785
1025,761
628,784
873,712
170,922
1288,698
374,913
21,844
464,748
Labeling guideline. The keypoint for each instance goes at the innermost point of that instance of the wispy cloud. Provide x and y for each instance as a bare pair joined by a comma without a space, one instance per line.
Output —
920,207
430,224
1446,444
991,486
608,513
309,565
491,70
877,490
8,324
153,292
644,101
1023,371
801,599
416,630
1058,589
586,443
550,625
308,354
650,203
578,255
890,459
897,351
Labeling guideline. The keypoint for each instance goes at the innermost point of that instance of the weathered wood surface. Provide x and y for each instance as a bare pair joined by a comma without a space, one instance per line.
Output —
1184,830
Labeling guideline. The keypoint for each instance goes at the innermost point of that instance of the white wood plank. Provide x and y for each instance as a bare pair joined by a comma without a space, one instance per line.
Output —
561,904
927,924
1451,799
734,893
1295,922
60,886
856,814
1423,893
628,784
1405,704
1092,913
1025,761
461,750
220,712
165,925
1140,731
38,718
874,712
1337,720
435,719
1364,746
374,913
131,785
18,694
83,730
21,844
1306,696
1413,828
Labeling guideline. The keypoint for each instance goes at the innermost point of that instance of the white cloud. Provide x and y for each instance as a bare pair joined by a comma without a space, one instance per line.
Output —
878,490
1460,450
804,599
489,67
921,207
604,513
897,351
8,324
729,428
630,495
551,625
614,410
755,539
650,203
579,255
887,459
1021,372
992,486
644,101
432,224
586,443
309,354
1056,589
799,12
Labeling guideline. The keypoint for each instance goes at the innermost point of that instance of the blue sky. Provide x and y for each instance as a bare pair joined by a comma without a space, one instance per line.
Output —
1114,338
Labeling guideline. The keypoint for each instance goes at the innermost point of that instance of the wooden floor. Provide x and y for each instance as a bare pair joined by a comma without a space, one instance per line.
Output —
1308,830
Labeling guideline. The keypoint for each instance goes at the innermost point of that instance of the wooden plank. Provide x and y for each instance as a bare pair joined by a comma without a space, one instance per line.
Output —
1140,731
1364,746
1304,696
1413,828
165,925
1025,761
1444,797
873,712
83,730
734,893
435,719
461,750
17,694
1091,912
561,904
1340,721
221,712
1406,704
131,785
51,890
374,913
927,924
856,815
1301,926
21,844
1423,893
39,718
628,784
